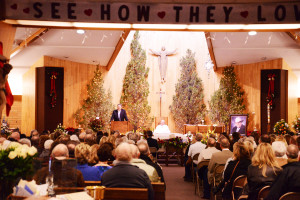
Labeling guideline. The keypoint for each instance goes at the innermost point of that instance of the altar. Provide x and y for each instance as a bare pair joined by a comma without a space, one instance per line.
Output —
166,136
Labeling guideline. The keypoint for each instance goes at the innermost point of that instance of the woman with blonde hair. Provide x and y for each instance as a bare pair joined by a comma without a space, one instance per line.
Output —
103,140
263,170
112,139
93,155
82,154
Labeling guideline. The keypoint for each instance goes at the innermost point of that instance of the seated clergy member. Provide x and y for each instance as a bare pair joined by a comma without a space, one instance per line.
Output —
124,174
162,128
151,171
144,155
63,174
82,154
289,179
119,114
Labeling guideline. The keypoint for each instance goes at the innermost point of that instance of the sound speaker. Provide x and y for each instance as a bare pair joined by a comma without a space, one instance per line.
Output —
49,97
280,102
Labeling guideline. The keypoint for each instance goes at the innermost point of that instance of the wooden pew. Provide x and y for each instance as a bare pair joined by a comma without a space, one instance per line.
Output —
159,190
126,193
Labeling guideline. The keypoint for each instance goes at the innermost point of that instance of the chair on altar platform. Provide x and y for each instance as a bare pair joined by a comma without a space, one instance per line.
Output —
190,127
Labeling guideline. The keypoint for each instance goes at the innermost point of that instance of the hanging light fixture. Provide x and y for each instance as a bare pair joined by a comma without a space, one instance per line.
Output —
208,65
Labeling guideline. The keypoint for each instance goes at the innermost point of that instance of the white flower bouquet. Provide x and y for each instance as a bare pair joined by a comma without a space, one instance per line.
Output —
16,161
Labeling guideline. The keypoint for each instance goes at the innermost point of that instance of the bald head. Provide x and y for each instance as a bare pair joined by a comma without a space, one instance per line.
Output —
123,152
292,151
15,136
60,151
135,151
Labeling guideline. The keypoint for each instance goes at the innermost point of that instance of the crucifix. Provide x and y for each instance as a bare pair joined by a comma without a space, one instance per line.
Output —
160,97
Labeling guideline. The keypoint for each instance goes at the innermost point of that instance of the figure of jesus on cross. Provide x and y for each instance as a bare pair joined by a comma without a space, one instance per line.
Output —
163,61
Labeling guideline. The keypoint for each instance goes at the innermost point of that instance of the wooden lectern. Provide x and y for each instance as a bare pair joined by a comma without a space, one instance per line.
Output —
121,126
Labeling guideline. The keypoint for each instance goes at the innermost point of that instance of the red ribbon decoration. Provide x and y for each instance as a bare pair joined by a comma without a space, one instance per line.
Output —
53,93
271,95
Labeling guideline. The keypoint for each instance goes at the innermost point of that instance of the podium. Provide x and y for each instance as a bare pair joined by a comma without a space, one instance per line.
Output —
121,126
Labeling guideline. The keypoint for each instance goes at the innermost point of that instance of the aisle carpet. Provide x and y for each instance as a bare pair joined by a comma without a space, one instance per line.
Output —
177,188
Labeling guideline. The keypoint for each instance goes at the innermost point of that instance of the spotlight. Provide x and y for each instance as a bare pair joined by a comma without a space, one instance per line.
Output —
80,31
252,33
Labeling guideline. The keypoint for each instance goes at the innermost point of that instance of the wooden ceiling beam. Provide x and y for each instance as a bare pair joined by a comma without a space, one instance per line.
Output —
29,40
118,48
294,36
211,49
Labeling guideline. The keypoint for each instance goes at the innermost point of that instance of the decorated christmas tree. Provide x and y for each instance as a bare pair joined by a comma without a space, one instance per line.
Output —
97,107
136,87
228,99
188,106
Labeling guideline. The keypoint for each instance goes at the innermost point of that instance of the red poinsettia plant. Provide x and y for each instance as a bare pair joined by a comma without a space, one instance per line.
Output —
95,124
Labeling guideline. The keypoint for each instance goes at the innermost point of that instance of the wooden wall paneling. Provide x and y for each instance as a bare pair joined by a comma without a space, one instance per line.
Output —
76,77
29,98
292,93
7,36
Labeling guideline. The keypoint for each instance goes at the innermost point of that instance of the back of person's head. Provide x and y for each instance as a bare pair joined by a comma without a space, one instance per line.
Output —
287,138
149,134
43,139
272,137
264,157
120,140
135,151
25,141
249,147
104,152
199,137
82,136
60,151
93,155
71,147
251,140
56,135
211,142
265,138
143,148
292,151
240,151
293,140
105,134
34,132
123,152
117,134
134,136
103,140
15,136
64,139
279,148
74,138
112,139
47,144
90,139
82,153
35,140
236,136
224,143
89,131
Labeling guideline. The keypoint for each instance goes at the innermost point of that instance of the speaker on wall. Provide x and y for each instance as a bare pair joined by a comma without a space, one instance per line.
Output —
278,109
49,97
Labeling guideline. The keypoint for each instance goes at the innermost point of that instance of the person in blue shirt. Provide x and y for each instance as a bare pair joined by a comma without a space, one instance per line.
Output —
104,153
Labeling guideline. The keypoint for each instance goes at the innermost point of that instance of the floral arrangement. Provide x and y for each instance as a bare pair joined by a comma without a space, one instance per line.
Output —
5,131
60,128
70,130
176,142
281,128
296,124
95,124
16,161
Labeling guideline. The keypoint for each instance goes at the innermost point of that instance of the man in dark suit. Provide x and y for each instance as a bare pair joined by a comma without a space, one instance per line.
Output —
239,127
126,175
119,114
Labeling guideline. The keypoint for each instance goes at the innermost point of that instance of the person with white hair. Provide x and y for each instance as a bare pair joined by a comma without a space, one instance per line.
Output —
124,174
279,149
46,151
25,141
239,126
162,128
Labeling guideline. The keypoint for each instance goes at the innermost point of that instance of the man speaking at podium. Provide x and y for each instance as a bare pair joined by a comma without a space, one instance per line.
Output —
119,114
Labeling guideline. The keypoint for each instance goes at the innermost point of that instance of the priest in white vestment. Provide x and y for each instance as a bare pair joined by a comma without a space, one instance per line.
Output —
162,128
